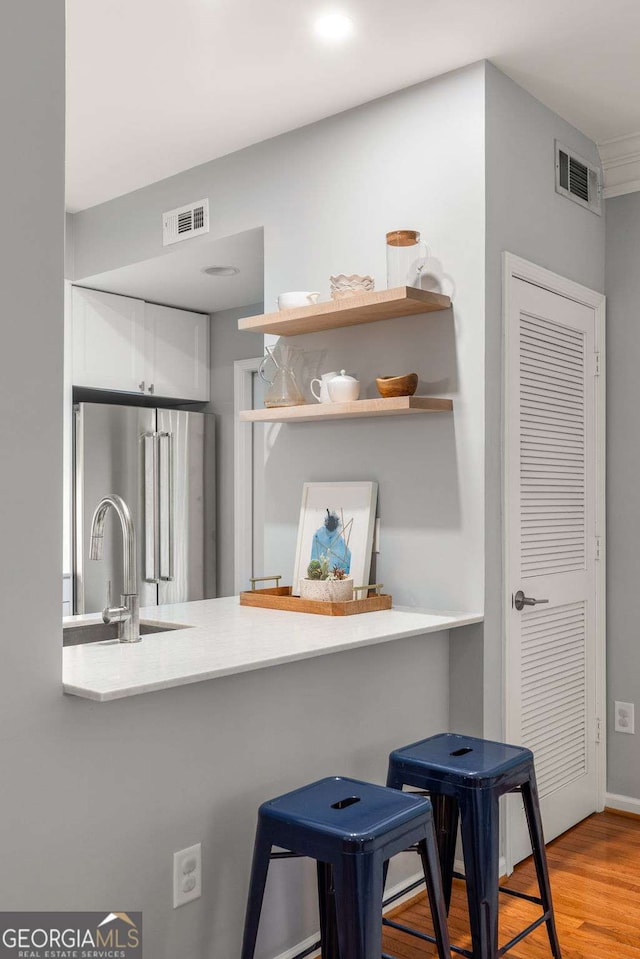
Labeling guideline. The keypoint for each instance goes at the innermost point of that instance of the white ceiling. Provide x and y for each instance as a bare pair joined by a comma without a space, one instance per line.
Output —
176,277
158,86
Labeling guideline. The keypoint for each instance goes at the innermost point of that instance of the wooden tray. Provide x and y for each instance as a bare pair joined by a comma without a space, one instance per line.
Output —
281,598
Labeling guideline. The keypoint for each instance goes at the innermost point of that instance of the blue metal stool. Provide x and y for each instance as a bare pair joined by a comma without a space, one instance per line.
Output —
466,776
351,829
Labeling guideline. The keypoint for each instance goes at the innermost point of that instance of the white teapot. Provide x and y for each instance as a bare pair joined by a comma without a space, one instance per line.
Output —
343,388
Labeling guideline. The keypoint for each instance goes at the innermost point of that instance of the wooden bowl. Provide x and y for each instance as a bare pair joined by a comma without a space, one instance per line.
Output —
397,385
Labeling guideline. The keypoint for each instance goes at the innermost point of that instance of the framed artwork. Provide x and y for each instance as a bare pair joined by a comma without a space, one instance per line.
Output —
336,522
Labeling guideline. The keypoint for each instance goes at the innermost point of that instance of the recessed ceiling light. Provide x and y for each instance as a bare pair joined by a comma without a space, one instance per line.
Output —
334,27
221,270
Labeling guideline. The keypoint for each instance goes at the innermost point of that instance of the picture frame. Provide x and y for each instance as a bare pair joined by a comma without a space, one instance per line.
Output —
337,521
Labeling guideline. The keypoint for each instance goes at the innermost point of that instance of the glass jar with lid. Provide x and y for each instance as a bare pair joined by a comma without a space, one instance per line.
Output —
406,258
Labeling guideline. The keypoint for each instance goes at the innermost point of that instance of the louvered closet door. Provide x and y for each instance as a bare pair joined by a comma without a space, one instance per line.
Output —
551,546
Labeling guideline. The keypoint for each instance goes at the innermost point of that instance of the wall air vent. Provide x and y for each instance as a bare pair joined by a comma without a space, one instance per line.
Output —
578,180
185,222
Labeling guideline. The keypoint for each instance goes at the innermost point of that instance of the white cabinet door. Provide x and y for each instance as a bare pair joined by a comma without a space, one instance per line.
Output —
551,653
177,353
108,341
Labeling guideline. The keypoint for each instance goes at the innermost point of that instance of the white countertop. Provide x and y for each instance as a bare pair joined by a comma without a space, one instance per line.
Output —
226,638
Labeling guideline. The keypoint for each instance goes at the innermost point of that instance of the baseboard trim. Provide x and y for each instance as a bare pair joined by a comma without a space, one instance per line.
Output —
502,867
406,896
622,804
392,891
300,947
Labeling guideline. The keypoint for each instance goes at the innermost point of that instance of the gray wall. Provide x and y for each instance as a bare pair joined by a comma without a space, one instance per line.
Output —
623,502
99,796
527,217
466,699
31,278
227,344
326,195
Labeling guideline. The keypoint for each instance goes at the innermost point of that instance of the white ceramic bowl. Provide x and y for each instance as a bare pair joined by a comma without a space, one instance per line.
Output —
344,285
287,301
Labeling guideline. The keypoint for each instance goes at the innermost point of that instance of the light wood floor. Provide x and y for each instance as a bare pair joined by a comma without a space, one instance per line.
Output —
595,881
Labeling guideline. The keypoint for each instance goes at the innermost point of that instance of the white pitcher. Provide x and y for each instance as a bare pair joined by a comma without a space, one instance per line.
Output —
323,395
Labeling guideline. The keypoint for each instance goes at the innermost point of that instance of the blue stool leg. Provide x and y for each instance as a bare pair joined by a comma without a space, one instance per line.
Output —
394,778
259,869
445,817
327,909
480,821
358,885
534,821
394,781
431,866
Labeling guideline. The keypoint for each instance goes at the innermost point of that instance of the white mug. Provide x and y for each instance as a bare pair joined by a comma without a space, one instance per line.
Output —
297,298
323,395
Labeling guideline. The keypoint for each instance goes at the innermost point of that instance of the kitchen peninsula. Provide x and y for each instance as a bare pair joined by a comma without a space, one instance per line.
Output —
220,638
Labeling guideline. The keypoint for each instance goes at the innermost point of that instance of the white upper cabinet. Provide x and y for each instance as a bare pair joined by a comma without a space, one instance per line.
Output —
127,345
177,353
108,341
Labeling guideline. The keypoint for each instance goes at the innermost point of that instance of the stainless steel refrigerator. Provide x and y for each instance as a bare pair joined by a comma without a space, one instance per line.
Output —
162,463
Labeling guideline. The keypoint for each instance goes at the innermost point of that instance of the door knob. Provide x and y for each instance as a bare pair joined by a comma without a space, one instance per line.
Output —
520,600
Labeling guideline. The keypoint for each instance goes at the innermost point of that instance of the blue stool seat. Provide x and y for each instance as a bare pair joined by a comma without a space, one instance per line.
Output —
465,778
462,761
351,829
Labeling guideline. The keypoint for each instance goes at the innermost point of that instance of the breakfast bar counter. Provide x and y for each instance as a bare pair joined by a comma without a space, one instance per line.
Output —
222,638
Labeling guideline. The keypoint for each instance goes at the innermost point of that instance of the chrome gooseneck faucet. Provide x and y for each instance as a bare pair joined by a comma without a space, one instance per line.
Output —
127,615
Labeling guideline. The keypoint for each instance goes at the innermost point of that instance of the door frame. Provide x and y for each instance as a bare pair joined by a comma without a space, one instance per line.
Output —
516,268
243,372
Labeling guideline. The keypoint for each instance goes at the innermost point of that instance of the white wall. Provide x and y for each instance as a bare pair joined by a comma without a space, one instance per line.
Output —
623,502
67,400
527,217
227,344
326,195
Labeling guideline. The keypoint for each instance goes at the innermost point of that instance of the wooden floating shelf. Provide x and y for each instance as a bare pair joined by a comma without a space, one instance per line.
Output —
314,412
352,311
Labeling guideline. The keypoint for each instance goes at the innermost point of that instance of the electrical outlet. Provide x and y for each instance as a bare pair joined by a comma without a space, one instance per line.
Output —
624,718
187,875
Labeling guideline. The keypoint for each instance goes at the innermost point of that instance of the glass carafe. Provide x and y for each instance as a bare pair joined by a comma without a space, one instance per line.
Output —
282,387
406,258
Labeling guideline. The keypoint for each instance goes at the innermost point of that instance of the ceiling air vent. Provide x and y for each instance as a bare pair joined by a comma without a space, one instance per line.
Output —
185,222
577,180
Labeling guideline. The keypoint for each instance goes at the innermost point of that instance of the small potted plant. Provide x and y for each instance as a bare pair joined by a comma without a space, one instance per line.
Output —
326,584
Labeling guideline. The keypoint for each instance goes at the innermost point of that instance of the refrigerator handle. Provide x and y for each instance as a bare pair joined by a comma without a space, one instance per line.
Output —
166,524
150,508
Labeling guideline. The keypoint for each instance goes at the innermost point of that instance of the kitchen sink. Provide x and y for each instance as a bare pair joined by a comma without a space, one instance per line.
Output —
82,633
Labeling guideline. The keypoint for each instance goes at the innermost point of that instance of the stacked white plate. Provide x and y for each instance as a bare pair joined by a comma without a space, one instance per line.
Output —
343,285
